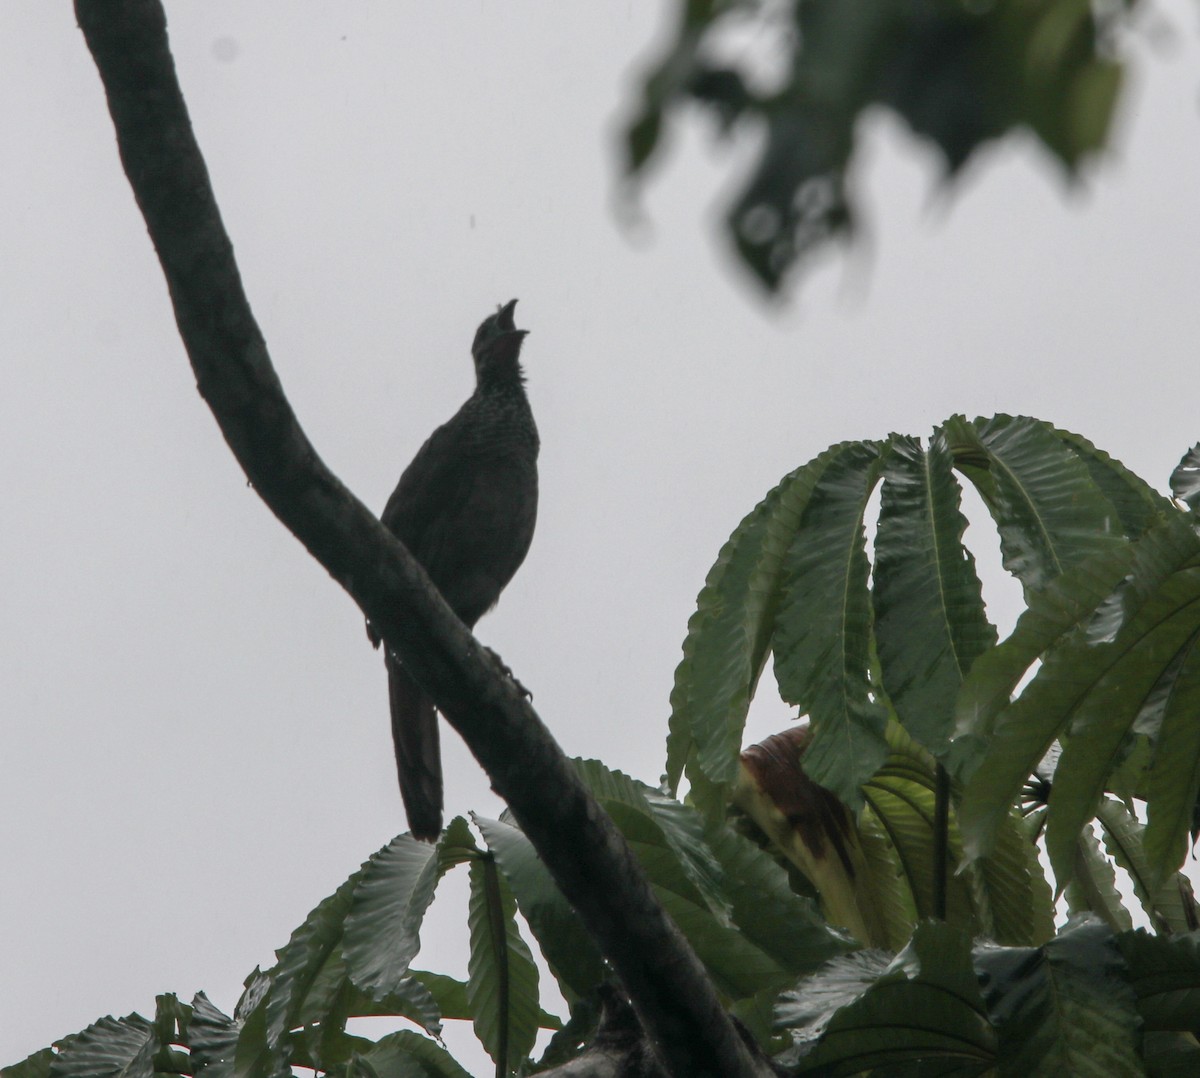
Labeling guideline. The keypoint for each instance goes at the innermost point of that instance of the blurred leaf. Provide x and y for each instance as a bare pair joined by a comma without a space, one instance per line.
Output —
1065,1008
332,994
502,982
822,637
959,76
930,624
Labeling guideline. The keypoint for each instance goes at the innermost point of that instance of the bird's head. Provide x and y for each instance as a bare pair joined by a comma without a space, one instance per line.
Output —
497,344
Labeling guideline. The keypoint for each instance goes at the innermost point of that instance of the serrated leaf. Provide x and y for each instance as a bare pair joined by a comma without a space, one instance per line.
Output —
1100,692
405,1055
382,926
1139,506
1168,903
924,1008
1049,512
785,926
822,637
109,1048
212,1039
1164,972
1093,886
1065,1008
567,946
729,635
301,960
738,967
1092,685
36,1065
1065,605
930,624
660,821
502,984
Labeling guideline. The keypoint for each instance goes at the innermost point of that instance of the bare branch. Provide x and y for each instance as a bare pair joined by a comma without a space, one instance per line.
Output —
590,861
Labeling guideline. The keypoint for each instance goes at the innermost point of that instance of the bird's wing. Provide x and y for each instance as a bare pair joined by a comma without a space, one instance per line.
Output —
468,519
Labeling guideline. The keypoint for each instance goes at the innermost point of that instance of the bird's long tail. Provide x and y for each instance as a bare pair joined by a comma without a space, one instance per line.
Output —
418,752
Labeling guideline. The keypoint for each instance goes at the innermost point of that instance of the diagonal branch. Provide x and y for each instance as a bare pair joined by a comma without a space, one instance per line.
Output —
588,858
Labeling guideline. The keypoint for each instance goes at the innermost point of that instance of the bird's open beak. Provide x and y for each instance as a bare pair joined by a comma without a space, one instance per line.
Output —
505,320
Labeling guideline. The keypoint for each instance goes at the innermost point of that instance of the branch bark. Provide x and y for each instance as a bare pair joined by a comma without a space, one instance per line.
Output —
671,993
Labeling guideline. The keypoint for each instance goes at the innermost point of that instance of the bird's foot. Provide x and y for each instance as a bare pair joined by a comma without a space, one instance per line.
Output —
507,671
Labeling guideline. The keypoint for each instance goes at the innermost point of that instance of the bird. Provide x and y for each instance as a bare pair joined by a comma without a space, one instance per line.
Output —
465,508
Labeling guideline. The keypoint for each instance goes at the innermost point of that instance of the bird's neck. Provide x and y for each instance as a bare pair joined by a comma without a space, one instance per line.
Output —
503,376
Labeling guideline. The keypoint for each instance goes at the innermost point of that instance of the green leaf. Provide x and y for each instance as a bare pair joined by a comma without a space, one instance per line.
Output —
1093,886
924,1007
660,821
1164,972
212,1039
33,1066
449,993
1063,606
1169,903
302,959
567,946
1144,677
333,997
109,1048
822,639
1065,1008
1096,683
930,624
257,1055
1185,479
502,984
786,927
738,967
405,1055
1050,513
382,927
957,76
729,635
1139,506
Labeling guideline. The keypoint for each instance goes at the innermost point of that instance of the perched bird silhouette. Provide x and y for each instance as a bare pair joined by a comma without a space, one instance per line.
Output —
465,507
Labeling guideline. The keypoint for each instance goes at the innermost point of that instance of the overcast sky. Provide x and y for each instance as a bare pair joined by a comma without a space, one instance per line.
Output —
194,746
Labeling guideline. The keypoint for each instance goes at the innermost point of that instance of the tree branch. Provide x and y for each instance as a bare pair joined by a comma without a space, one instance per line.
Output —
674,1000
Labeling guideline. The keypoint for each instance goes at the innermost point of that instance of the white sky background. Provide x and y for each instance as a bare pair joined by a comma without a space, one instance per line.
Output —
194,746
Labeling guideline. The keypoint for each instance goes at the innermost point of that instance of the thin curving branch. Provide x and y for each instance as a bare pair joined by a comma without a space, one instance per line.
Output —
674,1000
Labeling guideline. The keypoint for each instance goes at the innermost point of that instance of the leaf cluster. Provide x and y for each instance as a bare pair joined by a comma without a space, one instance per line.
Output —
958,74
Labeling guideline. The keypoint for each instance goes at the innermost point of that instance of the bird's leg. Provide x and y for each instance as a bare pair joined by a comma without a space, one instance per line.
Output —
506,670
